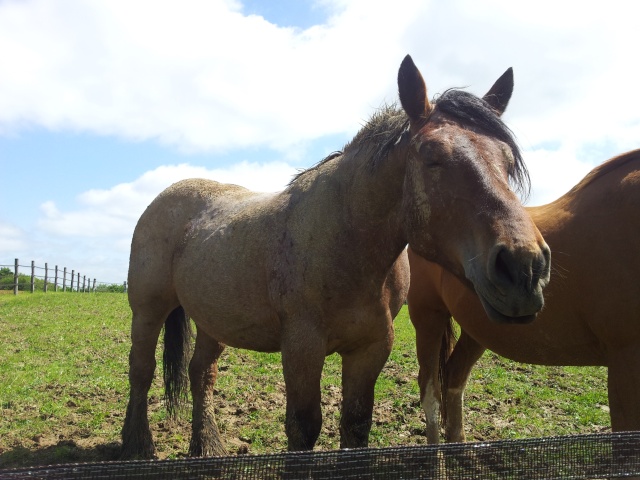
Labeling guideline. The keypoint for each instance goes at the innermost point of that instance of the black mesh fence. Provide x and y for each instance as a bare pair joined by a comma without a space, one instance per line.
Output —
569,457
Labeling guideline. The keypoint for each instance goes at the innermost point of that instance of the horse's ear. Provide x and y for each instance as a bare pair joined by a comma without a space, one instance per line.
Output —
412,91
498,96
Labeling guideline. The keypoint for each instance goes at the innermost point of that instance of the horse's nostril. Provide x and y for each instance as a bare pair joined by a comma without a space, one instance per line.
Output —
501,265
521,269
541,267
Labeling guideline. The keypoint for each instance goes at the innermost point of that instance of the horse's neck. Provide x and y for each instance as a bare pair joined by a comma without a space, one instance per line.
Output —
549,218
363,202
375,203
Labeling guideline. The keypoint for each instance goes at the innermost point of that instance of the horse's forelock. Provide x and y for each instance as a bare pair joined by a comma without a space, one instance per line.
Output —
474,111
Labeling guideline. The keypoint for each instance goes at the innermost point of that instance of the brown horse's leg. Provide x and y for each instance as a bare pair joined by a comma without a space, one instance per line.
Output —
624,388
430,327
303,355
203,370
458,368
624,395
360,370
136,435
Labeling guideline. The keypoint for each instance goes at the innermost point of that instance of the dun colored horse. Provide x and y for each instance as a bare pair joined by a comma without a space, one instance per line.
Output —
319,267
592,312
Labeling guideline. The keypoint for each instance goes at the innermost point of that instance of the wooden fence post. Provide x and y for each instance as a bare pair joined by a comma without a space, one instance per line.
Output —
15,278
86,287
33,276
125,286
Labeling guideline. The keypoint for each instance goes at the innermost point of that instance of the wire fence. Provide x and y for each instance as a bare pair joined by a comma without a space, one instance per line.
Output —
608,455
46,278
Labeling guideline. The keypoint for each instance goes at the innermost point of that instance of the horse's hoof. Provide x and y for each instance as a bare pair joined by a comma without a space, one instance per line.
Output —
214,450
145,452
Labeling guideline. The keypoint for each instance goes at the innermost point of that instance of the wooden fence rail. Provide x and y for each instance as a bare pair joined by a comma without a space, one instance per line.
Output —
77,282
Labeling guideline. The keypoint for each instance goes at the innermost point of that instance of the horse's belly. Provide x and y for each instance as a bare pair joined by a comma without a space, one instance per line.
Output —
540,346
248,329
220,281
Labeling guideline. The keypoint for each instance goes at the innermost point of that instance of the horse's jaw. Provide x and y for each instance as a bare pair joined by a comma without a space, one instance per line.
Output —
498,317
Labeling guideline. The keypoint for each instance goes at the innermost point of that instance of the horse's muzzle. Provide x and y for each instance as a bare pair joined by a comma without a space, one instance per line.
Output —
515,279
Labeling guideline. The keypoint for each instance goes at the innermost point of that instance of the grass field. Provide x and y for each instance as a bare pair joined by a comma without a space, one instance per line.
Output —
63,390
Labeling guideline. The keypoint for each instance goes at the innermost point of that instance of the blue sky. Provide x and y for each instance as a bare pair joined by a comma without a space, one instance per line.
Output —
105,103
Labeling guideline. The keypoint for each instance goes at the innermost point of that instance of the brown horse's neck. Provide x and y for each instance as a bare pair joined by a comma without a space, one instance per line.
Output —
361,190
375,202
551,217
362,198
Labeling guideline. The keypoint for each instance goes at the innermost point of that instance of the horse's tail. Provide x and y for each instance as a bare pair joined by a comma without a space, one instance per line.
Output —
175,359
448,342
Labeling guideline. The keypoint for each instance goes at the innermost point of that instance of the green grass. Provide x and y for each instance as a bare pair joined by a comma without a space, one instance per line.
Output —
64,387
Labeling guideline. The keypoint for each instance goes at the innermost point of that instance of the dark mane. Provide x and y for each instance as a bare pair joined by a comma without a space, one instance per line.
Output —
331,156
474,111
379,135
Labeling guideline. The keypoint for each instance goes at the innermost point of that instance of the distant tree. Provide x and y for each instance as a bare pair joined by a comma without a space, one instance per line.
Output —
114,288
24,282
6,278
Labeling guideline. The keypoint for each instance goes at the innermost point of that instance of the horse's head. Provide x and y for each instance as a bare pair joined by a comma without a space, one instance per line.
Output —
460,210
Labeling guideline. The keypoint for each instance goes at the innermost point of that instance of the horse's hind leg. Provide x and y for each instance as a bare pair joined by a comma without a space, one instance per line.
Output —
136,435
203,370
360,370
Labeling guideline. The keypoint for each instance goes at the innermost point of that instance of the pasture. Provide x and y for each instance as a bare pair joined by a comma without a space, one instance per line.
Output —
64,388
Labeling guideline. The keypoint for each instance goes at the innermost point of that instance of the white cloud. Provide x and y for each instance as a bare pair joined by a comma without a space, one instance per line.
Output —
12,238
553,173
197,74
201,75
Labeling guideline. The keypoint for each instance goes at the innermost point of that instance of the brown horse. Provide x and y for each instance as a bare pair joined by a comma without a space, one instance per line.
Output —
320,268
592,312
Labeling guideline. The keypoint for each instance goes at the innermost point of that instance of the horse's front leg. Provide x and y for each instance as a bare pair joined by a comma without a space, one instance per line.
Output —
303,354
360,370
432,349
457,371
203,370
